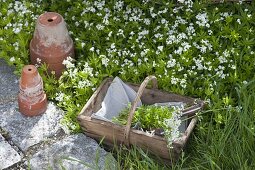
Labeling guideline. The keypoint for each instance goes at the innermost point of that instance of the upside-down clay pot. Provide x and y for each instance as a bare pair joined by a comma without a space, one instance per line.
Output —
51,42
31,99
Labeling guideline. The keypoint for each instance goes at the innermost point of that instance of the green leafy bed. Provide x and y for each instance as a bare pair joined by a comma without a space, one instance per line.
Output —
195,49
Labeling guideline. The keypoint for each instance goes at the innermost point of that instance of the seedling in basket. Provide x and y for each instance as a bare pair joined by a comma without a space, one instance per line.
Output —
159,120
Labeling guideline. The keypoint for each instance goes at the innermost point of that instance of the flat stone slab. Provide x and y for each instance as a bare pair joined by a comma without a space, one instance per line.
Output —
73,152
28,131
9,84
8,156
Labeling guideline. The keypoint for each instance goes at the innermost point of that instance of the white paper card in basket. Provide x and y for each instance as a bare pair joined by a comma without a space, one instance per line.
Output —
117,97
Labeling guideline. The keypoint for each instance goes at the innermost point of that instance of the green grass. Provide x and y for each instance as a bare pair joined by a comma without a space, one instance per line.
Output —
228,146
136,158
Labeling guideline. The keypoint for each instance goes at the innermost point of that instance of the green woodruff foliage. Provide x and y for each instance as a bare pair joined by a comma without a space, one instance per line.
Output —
150,117
194,49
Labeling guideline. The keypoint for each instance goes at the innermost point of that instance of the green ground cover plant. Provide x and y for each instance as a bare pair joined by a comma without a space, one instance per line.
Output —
193,48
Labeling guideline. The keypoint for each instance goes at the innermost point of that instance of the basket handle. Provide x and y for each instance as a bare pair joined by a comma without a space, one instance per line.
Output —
135,102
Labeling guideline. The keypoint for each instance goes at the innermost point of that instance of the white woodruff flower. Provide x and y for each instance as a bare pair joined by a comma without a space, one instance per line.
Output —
113,46
199,63
119,5
185,46
179,51
38,60
68,62
87,69
171,63
174,80
147,21
84,83
60,96
12,59
172,132
82,44
160,48
202,20
245,82
238,21
183,83
92,49
73,73
104,60
16,30
110,34
222,59
100,26
190,30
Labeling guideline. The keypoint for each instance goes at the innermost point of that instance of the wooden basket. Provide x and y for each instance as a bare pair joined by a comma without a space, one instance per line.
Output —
117,134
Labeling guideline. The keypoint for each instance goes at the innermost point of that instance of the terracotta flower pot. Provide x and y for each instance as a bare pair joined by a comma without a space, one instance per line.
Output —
31,99
51,42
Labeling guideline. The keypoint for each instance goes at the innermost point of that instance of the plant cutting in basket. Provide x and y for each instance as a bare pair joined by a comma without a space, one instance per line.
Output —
158,120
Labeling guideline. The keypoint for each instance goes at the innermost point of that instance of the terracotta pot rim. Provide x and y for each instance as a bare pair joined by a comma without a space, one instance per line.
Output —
50,19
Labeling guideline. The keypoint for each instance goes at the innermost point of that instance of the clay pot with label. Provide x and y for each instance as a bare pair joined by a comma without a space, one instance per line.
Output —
51,43
31,99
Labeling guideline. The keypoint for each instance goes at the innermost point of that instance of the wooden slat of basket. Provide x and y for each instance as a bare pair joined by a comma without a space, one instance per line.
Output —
151,96
110,131
114,134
